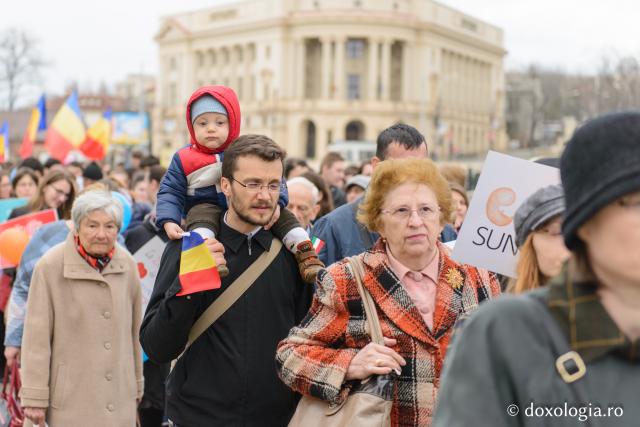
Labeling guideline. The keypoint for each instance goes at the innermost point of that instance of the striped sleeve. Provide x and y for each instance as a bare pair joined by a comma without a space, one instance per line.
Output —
308,360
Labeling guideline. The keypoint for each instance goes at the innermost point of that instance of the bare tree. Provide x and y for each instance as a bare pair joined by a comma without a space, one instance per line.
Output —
20,62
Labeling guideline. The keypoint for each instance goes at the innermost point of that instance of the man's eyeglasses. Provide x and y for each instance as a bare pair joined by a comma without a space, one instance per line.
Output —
255,187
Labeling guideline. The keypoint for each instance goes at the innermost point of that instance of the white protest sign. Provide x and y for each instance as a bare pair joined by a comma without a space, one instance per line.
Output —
148,261
487,238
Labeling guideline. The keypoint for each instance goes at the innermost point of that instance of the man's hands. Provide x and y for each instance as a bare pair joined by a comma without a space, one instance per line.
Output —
217,250
274,218
375,359
36,415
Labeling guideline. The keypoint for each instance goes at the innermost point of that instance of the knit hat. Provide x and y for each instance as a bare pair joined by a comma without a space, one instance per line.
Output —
206,104
92,171
537,209
361,181
600,164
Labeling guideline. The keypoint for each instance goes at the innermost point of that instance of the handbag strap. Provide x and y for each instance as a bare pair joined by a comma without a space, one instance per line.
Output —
565,357
369,306
233,292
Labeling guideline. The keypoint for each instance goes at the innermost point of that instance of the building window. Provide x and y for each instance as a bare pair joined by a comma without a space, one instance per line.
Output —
354,131
310,151
173,64
267,52
353,86
355,48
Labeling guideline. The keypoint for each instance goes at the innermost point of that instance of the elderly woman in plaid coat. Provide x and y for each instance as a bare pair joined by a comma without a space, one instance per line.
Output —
419,291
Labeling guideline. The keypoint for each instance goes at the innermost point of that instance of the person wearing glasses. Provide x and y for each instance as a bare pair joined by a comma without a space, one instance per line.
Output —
56,190
419,290
228,377
191,186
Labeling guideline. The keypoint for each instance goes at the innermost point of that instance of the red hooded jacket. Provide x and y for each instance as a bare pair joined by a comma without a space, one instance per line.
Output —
227,97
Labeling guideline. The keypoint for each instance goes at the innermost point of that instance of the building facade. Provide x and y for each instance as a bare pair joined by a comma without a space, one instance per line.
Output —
309,73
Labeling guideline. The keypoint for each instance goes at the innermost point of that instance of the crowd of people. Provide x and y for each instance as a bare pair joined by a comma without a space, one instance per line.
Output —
299,256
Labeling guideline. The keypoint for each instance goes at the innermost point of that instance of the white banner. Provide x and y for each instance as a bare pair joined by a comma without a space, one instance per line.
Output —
148,261
487,238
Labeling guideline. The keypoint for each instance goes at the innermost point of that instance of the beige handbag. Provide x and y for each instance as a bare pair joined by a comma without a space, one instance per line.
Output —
369,402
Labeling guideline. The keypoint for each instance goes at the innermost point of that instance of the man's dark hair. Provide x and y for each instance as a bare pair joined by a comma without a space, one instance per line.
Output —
259,146
32,163
405,135
329,159
137,154
76,164
291,163
156,172
51,161
149,161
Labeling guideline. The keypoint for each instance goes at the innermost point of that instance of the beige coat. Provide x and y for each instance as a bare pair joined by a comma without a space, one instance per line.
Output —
81,357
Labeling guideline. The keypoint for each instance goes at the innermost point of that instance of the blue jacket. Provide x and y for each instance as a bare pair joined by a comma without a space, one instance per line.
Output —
344,236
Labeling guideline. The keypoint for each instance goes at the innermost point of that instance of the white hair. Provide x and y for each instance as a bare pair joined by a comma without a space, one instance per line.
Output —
96,201
315,193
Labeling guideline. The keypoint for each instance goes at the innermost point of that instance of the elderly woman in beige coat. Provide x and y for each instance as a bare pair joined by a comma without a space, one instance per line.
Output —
81,360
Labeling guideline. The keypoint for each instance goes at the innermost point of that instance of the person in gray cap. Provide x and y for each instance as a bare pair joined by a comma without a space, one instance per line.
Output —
542,252
570,347
356,186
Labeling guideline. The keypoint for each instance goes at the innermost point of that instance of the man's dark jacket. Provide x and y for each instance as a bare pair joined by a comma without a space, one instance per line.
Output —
228,375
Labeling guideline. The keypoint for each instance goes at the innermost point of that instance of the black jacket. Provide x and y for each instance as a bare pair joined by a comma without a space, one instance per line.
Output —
228,375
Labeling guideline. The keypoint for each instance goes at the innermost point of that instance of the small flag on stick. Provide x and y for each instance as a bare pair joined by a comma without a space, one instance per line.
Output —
317,244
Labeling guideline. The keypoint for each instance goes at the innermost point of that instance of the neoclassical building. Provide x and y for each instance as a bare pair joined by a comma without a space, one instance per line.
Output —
310,73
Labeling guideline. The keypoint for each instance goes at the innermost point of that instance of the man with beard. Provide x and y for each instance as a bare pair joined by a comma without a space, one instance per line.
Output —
227,377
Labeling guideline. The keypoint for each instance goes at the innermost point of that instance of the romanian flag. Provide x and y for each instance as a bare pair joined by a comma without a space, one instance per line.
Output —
66,131
37,122
96,143
4,142
317,244
198,270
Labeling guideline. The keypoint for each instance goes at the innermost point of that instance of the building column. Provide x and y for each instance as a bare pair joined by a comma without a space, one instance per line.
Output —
372,82
326,68
246,75
338,71
407,61
385,71
300,77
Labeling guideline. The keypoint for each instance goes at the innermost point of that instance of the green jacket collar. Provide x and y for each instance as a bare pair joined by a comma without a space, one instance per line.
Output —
583,319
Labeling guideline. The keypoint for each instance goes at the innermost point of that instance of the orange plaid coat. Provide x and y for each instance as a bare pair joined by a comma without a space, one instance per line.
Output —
314,358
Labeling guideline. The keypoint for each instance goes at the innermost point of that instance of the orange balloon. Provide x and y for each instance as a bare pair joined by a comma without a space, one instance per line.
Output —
13,241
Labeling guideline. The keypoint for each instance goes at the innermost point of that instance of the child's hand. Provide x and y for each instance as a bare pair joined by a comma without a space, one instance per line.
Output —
173,230
274,218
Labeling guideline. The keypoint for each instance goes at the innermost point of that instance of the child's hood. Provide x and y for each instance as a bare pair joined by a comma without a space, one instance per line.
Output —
227,97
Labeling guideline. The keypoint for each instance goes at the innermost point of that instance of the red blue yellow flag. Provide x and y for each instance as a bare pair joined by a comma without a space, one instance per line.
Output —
67,130
37,122
4,142
96,144
198,270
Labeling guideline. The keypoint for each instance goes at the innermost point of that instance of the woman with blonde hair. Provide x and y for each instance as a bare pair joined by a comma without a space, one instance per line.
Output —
542,252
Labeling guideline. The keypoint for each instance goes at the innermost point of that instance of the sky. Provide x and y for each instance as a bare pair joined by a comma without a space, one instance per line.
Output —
94,42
